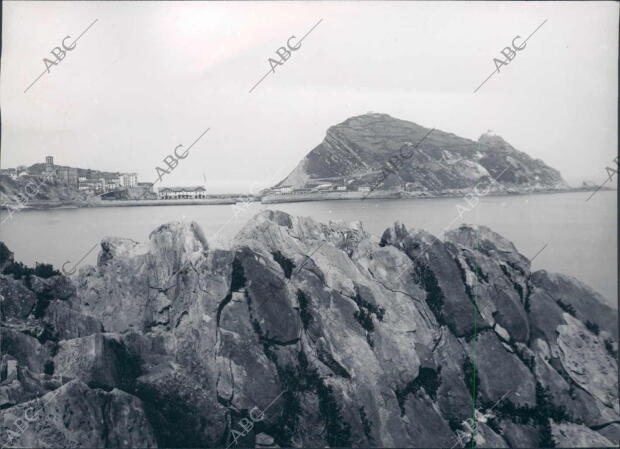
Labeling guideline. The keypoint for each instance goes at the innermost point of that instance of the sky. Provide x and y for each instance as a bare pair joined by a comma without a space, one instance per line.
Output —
149,76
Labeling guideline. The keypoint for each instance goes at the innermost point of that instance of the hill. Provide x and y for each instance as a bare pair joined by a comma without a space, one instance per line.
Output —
358,152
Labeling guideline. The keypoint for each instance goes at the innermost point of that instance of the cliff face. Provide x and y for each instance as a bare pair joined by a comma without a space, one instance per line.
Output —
361,147
308,334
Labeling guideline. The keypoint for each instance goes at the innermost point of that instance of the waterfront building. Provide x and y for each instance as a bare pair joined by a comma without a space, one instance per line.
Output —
178,193
283,190
326,187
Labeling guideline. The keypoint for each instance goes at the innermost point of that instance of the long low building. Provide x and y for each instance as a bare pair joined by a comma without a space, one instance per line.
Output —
178,193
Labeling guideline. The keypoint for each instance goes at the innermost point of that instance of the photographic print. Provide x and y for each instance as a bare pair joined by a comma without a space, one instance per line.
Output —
304,224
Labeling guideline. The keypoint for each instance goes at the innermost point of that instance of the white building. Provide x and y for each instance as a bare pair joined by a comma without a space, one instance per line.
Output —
179,193
129,179
283,190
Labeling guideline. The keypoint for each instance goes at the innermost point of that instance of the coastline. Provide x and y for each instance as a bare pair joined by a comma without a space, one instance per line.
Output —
131,203
46,205
379,195
278,199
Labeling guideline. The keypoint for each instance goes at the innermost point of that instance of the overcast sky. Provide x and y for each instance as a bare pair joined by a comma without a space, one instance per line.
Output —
150,76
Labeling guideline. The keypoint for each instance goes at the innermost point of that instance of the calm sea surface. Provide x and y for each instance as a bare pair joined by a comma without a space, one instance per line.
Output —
580,236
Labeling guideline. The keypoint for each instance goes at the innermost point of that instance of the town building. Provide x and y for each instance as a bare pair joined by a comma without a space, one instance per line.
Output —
88,187
67,176
49,172
283,190
326,187
10,172
129,180
147,186
114,183
178,193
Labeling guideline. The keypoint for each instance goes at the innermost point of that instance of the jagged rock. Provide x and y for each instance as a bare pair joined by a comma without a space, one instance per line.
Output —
435,269
426,427
133,274
264,440
588,305
74,415
17,300
6,257
497,275
577,435
520,435
585,360
182,411
564,394
501,332
454,398
486,437
55,287
611,432
26,349
567,354
545,316
98,360
69,323
20,384
501,373
124,306
335,337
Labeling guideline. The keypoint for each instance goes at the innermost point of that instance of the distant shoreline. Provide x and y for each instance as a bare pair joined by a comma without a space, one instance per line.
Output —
279,199
47,205
382,195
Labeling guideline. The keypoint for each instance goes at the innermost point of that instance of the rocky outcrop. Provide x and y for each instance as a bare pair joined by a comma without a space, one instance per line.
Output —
567,434
17,300
69,323
309,334
29,191
579,300
75,416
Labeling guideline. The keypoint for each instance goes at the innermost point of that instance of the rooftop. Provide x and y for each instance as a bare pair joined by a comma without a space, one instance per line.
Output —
183,189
